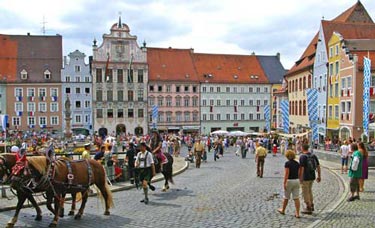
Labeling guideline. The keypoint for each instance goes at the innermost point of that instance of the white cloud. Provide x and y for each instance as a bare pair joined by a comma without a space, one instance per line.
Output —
215,26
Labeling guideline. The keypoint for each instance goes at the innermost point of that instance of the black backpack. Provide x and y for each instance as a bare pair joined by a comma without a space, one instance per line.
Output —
311,163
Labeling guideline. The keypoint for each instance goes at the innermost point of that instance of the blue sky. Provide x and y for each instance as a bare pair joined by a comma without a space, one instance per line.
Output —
213,26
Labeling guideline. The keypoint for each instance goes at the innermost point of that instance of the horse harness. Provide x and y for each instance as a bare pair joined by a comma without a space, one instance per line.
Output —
69,184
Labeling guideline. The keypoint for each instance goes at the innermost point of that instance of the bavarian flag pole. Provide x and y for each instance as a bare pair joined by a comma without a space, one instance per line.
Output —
366,93
4,123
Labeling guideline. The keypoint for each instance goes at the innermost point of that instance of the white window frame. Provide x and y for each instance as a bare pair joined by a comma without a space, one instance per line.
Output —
57,106
31,106
24,74
29,122
18,90
52,91
40,91
41,105
30,92
79,117
47,74
40,120
16,104
16,121
52,120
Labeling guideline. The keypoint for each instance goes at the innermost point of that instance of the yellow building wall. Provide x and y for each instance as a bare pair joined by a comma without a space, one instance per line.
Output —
334,87
296,120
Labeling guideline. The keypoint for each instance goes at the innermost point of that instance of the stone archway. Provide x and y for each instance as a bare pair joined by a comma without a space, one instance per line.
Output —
138,131
120,129
103,132
345,133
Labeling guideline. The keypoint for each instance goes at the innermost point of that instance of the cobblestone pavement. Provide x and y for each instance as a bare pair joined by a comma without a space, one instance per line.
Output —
359,213
225,193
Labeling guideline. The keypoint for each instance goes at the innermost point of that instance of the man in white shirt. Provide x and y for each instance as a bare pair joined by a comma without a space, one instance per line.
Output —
145,163
344,151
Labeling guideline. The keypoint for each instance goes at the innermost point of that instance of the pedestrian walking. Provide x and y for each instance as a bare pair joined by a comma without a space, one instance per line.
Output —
260,156
309,166
145,163
362,149
108,164
291,183
216,150
344,152
130,159
355,172
283,146
198,151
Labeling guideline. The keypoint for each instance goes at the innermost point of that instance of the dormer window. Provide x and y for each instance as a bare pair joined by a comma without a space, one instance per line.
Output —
77,68
47,74
23,74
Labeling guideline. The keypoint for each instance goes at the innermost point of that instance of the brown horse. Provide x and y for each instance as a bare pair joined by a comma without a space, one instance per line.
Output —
7,162
66,177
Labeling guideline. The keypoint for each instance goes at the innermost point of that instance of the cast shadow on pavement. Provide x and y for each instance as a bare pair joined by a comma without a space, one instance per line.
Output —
173,194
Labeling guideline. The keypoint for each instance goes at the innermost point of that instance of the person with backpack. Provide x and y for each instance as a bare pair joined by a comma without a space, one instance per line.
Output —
309,164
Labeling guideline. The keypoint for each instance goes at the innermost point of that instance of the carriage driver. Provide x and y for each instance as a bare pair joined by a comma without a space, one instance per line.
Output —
145,163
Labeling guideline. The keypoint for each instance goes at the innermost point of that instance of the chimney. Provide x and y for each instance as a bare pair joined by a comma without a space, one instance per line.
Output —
65,61
278,55
28,34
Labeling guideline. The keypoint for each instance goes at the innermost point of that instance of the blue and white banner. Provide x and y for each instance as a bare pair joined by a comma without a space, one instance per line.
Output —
155,114
312,109
285,115
4,121
366,93
267,117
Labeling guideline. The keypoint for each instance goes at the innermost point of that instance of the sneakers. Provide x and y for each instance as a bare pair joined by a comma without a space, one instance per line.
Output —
145,200
352,198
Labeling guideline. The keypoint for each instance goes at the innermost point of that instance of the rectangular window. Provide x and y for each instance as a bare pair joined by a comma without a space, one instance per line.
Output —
31,106
140,94
218,89
99,113
337,49
195,116
228,102
204,117
99,75
16,121
67,90
258,116
110,113
140,76
218,116
87,118
178,102
18,92
228,116
19,107
258,102
331,90
87,104
343,107
120,113
211,101
160,101
251,103
218,102
251,90
130,95
211,116
78,104
211,89
30,92
177,89
258,89
54,120
235,102
204,89
336,112
42,92
42,107
168,88
186,88
330,69
251,116
265,89
227,89
204,102
194,89
160,88
109,76
130,113
78,119
348,106
242,102
330,110
265,102
87,79
169,117
349,82
87,90
67,78
343,83
54,92
235,116
120,75
234,89
120,95
151,88
78,90
169,101
99,95
330,52
54,107
242,116
77,69
195,101
187,116
109,95
31,120
336,89
78,79
337,68
141,113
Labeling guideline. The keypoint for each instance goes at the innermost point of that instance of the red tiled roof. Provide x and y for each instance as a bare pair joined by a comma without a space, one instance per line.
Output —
8,58
356,14
171,64
361,55
223,68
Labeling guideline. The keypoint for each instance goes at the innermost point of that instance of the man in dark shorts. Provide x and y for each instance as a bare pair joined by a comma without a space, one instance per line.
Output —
145,163
130,159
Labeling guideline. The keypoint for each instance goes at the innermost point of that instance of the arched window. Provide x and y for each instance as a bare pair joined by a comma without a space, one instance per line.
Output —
300,108
290,108
309,81
300,84
304,83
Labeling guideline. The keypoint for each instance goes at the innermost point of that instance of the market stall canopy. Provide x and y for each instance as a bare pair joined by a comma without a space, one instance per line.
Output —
292,135
238,133
219,132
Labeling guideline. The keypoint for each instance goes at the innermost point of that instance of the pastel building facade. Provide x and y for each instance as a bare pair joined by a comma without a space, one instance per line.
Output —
77,85
120,79
173,87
